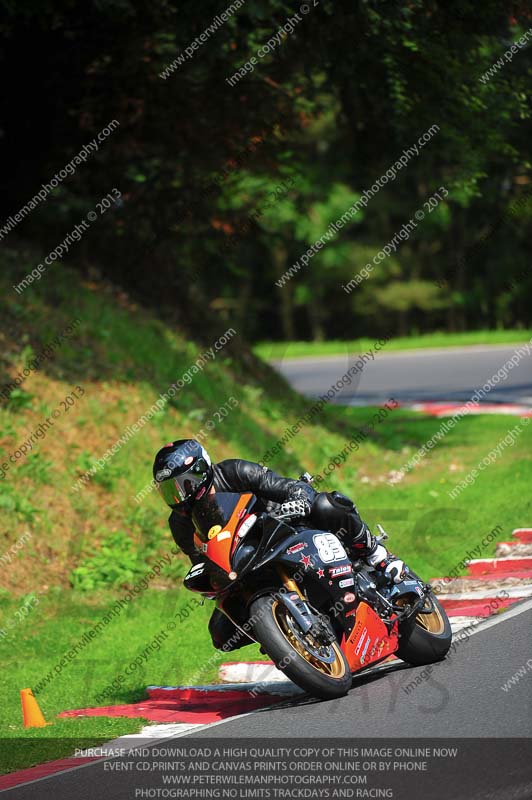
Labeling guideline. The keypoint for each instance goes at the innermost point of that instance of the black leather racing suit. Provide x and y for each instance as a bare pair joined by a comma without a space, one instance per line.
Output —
333,512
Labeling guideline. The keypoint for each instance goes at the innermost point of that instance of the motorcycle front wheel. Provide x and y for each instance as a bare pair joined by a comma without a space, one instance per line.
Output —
321,670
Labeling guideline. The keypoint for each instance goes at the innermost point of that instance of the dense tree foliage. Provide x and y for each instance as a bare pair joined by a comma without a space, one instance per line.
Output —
224,187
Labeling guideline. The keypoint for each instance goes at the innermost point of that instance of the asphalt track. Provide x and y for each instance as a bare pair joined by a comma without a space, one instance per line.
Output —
416,375
461,699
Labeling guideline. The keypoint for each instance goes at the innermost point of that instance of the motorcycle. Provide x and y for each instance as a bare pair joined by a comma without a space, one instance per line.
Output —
318,614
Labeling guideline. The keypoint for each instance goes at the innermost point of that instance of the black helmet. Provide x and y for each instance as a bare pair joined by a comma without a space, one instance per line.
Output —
182,471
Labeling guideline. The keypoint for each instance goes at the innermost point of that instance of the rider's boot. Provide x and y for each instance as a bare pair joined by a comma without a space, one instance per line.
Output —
366,547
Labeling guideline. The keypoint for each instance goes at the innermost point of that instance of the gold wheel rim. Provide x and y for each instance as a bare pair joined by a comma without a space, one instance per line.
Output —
432,623
336,669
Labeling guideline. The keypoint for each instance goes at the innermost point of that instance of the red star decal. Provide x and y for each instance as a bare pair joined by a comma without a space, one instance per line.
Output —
306,560
321,573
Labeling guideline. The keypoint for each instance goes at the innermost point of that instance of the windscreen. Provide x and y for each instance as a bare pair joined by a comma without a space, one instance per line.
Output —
215,509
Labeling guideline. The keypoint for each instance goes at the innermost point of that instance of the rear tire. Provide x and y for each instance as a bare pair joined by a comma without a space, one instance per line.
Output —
427,638
288,654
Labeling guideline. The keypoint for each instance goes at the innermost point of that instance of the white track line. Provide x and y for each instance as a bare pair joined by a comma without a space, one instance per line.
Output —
515,592
244,672
457,623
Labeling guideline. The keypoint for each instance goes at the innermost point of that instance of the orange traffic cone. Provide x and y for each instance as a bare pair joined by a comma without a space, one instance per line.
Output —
31,713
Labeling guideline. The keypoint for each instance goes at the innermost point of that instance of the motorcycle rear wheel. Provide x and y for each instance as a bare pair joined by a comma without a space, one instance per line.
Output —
321,670
427,638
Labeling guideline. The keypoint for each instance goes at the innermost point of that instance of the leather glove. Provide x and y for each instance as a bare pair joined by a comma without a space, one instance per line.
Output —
293,508
395,570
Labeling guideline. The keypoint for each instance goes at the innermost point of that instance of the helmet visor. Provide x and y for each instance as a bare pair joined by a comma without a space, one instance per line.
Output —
186,485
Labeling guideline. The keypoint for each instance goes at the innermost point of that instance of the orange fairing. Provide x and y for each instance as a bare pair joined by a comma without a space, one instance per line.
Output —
369,640
218,549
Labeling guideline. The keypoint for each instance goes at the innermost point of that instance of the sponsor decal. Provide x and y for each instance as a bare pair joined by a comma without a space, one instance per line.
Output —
346,582
334,572
214,531
349,597
204,548
296,548
365,650
321,573
419,591
377,648
306,561
188,460
359,645
162,474
223,535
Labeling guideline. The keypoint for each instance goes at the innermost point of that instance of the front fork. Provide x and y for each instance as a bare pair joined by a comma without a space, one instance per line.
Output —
288,582
294,601
297,604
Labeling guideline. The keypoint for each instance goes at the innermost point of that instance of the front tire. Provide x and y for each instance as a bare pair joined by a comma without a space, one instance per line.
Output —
326,677
427,638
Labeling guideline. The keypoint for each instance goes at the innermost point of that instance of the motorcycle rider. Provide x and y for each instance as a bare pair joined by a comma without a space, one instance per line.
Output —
184,473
